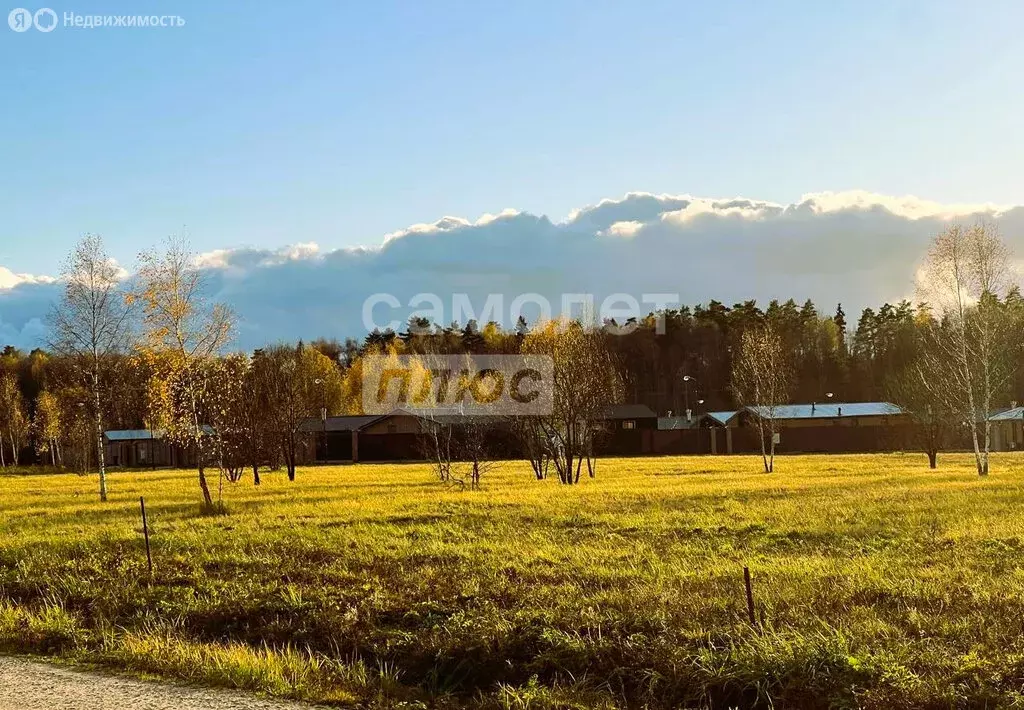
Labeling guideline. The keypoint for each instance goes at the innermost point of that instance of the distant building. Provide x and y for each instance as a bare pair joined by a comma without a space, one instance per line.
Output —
815,428
146,448
836,414
629,430
138,448
1008,429
723,419
396,436
626,430
629,417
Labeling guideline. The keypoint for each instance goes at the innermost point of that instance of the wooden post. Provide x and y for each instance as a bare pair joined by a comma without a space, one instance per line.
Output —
145,531
750,597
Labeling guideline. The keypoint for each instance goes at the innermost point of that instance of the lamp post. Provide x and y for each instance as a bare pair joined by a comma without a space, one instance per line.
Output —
323,414
686,395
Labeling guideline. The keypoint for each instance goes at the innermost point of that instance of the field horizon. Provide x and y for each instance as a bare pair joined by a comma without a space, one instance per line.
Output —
877,583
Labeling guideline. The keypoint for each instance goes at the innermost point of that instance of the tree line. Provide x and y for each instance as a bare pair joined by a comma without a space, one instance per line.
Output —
154,352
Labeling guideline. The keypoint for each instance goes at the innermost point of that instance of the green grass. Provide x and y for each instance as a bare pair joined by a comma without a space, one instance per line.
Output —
881,584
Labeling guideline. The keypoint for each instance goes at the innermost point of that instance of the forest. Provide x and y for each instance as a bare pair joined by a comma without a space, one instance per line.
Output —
44,409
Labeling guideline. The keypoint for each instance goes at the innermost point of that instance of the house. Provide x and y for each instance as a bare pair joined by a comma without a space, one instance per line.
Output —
1008,429
671,423
814,414
626,429
147,448
815,428
396,436
684,435
139,448
629,417
335,438
402,435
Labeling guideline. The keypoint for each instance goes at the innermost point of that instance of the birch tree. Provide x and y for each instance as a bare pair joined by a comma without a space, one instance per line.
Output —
91,325
761,378
184,327
47,425
14,425
932,423
970,359
586,383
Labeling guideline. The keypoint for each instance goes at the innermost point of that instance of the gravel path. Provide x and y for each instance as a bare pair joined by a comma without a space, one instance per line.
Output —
28,685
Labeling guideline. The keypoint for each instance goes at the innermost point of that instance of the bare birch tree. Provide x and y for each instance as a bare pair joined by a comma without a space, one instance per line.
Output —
586,383
185,328
91,325
969,360
761,378
933,424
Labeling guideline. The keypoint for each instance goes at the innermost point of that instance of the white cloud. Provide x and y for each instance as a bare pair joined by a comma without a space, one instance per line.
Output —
622,229
907,206
856,247
9,279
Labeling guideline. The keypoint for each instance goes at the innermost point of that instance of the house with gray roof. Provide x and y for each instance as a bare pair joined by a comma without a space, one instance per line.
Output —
1008,429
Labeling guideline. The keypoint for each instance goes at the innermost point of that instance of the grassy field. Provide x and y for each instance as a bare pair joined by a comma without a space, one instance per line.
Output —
880,583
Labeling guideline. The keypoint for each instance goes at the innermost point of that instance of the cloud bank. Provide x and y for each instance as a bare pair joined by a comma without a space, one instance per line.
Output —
858,248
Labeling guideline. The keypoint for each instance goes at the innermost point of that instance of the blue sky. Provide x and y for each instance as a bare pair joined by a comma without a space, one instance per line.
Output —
265,124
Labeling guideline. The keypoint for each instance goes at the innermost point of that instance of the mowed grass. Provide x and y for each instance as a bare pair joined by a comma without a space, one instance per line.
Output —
878,583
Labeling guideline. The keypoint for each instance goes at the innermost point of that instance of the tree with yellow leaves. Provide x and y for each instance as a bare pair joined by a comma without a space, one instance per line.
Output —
13,422
586,383
47,424
182,329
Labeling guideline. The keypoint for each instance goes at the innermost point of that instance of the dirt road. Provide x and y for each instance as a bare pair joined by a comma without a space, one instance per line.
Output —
28,685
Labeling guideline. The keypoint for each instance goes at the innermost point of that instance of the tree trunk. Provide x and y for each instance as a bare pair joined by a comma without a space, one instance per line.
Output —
988,446
100,462
256,474
204,486
14,449
933,459
198,433
764,448
977,450
290,457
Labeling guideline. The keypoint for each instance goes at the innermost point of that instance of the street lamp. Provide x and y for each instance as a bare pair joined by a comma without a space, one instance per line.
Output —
687,379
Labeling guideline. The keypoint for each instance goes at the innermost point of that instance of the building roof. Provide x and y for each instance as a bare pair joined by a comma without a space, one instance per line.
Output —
358,422
450,417
133,434
353,422
1015,413
677,423
147,434
722,418
628,411
832,410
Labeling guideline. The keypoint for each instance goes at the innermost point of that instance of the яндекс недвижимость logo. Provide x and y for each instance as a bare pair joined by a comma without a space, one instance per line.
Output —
21,20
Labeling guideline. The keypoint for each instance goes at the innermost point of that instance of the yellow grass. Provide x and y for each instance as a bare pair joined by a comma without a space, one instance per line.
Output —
880,583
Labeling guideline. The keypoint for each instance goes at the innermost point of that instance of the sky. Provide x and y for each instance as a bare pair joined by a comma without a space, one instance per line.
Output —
261,125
